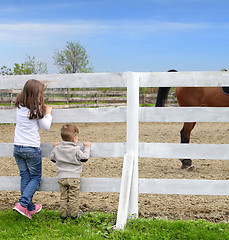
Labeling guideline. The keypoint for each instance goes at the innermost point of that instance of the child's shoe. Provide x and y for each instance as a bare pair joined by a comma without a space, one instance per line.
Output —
22,210
74,217
80,213
63,217
37,209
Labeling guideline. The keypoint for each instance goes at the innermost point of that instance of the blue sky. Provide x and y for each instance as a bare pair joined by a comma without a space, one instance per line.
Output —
119,35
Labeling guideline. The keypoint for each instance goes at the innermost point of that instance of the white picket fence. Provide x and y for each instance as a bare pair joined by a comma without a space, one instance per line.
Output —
130,185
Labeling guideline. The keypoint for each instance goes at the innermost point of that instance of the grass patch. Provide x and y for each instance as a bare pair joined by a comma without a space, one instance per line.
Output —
4,104
48,225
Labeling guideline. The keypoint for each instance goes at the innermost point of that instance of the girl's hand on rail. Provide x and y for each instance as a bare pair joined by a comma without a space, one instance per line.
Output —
48,109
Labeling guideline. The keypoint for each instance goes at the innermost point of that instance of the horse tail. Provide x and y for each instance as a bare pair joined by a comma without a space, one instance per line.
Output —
163,93
162,96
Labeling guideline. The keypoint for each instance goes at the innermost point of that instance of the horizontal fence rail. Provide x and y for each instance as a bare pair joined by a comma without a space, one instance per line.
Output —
184,114
51,184
146,186
97,80
146,150
159,114
98,150
76,80
184,79
75,115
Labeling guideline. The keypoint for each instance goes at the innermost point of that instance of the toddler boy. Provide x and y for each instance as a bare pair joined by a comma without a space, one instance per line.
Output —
68,157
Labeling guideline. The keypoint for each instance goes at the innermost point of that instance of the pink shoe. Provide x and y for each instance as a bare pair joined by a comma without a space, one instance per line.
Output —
37,209
22,210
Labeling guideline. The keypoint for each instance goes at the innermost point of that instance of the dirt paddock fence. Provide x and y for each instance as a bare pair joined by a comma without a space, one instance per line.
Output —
129,186
74,98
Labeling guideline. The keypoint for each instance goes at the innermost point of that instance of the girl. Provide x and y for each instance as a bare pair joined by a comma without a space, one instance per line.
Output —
31,115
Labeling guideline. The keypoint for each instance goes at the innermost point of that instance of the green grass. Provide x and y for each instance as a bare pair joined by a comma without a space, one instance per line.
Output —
48,225
4,104
147,104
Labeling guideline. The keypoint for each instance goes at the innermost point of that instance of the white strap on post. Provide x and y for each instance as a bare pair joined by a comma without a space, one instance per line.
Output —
128,200
125,191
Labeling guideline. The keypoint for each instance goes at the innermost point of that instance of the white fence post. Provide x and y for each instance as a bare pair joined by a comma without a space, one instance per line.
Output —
128,200
133,137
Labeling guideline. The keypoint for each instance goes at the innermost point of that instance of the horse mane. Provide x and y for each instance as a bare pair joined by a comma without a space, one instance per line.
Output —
163,93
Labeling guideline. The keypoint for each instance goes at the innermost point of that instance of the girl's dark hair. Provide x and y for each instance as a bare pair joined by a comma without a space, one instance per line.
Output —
32,97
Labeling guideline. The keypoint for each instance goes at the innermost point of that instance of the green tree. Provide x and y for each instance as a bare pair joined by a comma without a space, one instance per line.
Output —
6,71
72,59
30,66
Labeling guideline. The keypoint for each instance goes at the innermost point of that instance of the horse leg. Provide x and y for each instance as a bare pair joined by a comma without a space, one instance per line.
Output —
185,138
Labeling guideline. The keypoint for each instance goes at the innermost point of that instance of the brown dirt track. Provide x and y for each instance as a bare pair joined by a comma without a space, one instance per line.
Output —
211,208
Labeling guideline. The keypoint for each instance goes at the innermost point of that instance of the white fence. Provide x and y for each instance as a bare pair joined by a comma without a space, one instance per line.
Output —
129,186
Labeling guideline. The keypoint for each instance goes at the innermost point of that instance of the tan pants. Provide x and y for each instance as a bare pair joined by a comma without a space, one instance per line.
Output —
69,195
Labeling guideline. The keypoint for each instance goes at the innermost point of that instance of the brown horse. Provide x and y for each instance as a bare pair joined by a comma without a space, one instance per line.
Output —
193,97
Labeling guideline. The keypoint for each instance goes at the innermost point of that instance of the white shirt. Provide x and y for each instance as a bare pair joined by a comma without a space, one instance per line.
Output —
27,130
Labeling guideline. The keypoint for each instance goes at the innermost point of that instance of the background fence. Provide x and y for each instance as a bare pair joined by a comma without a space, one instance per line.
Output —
128,186
71,98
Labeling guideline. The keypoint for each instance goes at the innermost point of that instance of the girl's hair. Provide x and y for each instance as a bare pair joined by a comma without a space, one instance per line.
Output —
32,97
68,132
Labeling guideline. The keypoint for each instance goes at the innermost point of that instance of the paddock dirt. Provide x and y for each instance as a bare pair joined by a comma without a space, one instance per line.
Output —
211,208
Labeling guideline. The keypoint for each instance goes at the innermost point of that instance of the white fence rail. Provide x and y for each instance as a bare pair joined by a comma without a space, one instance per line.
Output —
130,185
150,150
146,114
96,80
148,186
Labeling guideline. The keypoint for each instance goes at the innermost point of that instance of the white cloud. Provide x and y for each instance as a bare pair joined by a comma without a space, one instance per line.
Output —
27,32
39,31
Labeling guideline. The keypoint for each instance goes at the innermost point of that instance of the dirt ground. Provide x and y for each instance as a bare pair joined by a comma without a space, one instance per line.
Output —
211,208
